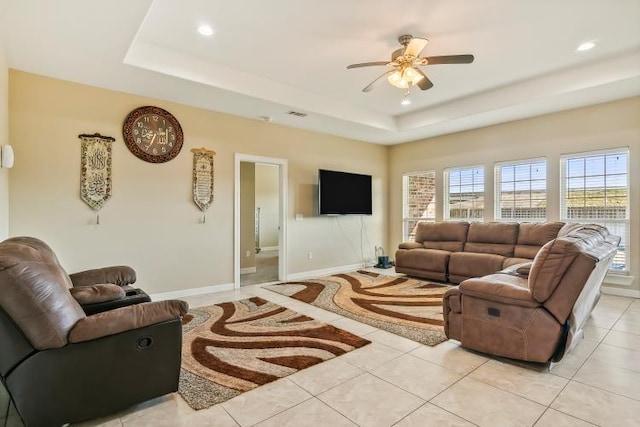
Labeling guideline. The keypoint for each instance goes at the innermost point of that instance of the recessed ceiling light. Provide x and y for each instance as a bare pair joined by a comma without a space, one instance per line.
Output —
205,30
405,101
585,46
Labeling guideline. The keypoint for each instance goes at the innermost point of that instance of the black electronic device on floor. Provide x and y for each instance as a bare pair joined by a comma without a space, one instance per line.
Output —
383,262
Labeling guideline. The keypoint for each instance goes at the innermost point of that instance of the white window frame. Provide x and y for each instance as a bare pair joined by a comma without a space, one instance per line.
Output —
447,204
563,200
498,189
406,219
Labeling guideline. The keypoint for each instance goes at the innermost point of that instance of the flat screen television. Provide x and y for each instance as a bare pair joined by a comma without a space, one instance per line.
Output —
343,193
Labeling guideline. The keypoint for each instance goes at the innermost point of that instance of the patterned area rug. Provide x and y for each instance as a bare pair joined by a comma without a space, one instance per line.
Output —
233,347
402,305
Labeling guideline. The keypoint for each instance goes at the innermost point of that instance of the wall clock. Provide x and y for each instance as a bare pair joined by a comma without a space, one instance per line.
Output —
152,134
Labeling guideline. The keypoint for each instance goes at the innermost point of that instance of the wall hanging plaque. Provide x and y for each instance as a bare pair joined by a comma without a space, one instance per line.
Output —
95,175
203,178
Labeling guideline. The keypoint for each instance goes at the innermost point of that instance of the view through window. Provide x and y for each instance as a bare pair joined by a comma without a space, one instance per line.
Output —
521,191
464,194
595,189
418,201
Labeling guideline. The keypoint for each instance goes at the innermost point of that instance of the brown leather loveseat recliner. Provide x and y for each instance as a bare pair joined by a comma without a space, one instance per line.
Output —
537,316
60,365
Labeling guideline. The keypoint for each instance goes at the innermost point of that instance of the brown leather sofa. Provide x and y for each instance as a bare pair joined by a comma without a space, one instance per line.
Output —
60,365
537,316
456,251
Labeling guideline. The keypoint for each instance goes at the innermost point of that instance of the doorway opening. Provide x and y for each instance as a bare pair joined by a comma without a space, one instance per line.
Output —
259,220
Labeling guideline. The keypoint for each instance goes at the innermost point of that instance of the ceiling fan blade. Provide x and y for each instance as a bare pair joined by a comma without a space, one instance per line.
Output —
415,46
424,83
376,82
367,64
449,59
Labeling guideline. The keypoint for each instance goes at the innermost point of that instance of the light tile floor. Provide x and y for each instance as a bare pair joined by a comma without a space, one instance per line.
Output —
396,382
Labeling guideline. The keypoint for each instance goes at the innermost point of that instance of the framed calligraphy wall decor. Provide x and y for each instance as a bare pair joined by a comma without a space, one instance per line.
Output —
95,175
203,178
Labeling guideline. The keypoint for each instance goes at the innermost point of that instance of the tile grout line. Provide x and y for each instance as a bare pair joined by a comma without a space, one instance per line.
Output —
456,382
337,385
577,370
284,410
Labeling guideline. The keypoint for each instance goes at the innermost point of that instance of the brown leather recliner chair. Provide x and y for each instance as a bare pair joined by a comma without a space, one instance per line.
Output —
534,313
60,365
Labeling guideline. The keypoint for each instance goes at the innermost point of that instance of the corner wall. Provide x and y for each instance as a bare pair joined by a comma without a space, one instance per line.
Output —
610,125
151,222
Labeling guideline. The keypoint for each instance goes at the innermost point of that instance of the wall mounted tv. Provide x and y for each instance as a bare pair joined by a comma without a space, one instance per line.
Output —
343,193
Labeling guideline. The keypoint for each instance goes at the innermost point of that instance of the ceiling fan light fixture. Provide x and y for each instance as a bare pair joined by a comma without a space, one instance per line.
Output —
410,73
397,79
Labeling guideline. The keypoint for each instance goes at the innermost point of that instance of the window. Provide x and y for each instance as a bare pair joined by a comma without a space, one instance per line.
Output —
521,190
464,194
418,201
595,189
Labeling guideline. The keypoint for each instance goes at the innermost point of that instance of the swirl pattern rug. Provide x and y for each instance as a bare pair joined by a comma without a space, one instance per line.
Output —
402,305
233,347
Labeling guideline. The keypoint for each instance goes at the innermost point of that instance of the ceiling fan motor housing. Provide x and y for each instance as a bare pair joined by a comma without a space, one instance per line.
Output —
404,40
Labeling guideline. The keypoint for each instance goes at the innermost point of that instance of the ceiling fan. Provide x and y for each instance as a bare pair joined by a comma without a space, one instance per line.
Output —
405,62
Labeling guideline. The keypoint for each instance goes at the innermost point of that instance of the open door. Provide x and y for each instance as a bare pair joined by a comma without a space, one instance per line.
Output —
260,202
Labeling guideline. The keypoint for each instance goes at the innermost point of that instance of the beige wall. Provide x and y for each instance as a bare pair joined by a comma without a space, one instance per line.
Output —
151,222
267,201
610,125
4,139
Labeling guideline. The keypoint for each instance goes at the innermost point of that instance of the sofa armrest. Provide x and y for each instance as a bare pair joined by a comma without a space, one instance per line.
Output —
410,245
97,293
503,288
126,318
120,275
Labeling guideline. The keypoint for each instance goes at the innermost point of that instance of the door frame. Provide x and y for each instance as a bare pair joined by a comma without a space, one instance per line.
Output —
283,191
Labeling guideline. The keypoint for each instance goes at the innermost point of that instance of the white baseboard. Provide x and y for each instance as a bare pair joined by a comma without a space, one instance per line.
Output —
190,292
270,248
633,293
325,271
248,270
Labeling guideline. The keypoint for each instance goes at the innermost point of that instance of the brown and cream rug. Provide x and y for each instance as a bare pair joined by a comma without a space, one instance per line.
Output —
233,347
402,305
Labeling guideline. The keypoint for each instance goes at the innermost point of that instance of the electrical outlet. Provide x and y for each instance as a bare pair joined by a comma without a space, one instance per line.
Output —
248,254
310,255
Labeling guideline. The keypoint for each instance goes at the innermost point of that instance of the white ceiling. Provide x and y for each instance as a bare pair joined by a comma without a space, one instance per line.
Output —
269,57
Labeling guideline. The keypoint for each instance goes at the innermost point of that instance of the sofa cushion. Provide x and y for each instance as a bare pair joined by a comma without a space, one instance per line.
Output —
492,238
410,245
424,259
447,236
533,235
468,264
